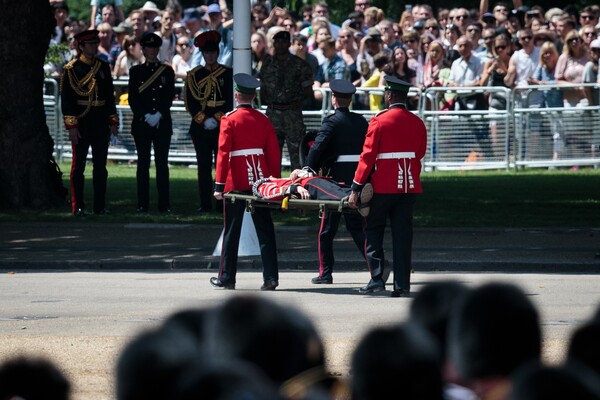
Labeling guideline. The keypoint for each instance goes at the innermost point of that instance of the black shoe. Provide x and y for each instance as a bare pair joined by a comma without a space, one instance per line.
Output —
270,284
79,212
401,293
374,285
216,282
142,209
103,211
319,280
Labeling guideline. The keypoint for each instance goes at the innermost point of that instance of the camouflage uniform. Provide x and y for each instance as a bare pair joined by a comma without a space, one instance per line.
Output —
282,90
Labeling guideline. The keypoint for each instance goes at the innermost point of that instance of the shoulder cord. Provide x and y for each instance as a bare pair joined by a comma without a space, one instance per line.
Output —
92,87
201,90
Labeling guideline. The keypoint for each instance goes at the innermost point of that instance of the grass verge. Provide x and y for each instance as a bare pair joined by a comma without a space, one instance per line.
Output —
526,198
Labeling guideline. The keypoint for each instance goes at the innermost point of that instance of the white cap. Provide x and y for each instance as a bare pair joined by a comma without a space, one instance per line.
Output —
595,44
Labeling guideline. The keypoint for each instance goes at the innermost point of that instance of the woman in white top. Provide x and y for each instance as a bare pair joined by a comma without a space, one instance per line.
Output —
130,56
569,68
181,61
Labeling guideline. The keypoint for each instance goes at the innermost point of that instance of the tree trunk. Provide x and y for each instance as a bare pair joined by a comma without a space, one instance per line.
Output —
26,177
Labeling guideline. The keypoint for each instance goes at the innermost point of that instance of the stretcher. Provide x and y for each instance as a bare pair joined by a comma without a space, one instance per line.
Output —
324,206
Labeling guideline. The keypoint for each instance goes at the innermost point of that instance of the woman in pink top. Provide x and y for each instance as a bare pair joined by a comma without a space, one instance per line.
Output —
569,68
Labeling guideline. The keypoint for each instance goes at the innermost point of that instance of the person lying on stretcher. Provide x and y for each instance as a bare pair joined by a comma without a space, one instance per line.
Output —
310,187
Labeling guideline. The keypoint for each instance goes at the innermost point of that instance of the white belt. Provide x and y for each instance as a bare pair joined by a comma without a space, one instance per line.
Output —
246,152
396,156
348,158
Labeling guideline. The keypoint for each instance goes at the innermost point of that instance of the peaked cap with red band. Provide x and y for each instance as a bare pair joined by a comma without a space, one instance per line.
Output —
89,36
208,41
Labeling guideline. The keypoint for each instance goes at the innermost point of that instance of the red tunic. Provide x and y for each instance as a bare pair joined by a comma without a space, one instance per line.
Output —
274,189
395,144
248,150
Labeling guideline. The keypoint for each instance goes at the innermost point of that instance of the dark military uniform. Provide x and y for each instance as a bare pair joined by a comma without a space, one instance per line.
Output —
88,104
336,149
282,90
151,90
208,94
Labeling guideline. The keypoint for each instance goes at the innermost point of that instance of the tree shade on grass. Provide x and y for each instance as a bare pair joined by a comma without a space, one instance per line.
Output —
531,198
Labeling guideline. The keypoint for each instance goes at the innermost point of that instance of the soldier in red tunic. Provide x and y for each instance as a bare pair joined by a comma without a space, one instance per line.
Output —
394,147
248,151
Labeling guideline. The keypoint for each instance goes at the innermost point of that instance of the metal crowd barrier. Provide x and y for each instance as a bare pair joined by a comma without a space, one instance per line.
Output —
551,136
520,134
460,138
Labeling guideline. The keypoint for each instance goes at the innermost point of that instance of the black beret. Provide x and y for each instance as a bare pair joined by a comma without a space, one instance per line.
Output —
150,39
284,35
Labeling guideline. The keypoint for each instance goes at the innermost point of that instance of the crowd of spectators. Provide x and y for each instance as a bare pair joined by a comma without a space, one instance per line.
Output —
493,35
457,342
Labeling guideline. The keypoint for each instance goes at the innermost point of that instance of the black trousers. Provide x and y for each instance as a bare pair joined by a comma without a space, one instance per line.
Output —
233,216
327,232
206,144
399,208
144,141
99,145
326,189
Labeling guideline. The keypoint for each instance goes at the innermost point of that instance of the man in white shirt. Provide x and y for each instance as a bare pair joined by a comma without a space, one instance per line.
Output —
467,69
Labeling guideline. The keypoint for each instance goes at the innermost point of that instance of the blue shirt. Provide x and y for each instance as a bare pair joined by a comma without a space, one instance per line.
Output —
332,69
553,98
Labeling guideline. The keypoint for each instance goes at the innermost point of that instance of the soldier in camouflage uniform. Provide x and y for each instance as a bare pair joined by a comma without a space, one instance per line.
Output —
285,81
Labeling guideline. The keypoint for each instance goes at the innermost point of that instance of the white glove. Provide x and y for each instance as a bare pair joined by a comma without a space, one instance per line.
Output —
210,123
304,173
147,117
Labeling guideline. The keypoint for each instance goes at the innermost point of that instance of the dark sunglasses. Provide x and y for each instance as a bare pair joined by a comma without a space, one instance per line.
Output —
574,40
473,30
410,40
525,38
499,48
590,33
461,16
586,17
432,27
488,38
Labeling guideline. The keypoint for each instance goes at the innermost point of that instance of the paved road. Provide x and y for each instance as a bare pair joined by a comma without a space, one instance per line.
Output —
77,292
97,246
82,319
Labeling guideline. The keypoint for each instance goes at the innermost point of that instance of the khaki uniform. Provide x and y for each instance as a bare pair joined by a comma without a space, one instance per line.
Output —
282,89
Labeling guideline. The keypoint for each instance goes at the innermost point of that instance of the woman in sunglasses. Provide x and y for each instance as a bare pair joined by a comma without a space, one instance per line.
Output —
495,70
569,68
